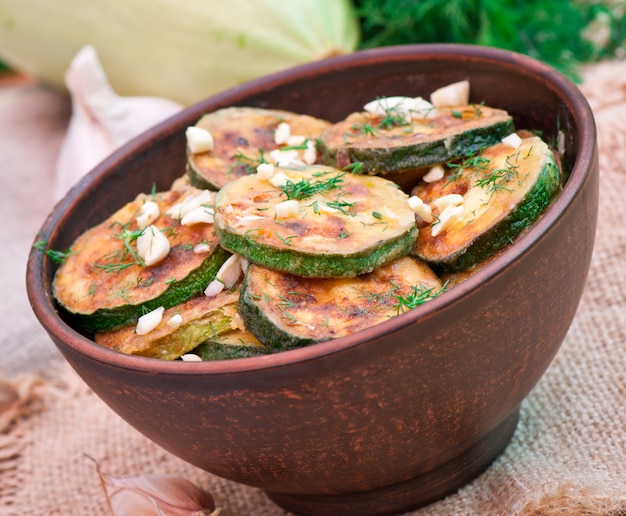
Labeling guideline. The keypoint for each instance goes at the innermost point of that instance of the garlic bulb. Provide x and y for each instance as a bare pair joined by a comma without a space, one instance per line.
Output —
155,494
101,120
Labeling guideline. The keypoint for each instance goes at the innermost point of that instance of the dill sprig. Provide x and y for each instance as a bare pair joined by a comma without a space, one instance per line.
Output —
249,163
418,296
393,117
55,255
498,179
124,257
306,188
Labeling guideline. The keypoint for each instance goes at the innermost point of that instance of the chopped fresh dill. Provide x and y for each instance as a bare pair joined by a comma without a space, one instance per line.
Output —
249,163
285,240
339,204
394,117
418,296
365,128
306,188
124,257
498,179
354,168
55,255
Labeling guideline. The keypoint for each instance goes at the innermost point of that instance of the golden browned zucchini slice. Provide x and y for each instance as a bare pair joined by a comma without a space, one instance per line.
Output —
239,343
105,282
482,203
385,143
179,329
315,221
243,137
286,311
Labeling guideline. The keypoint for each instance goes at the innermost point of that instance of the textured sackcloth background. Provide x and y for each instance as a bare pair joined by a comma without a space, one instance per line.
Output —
568,455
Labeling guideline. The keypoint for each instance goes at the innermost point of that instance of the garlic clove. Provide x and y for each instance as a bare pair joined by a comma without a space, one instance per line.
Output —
287,209
101,120
199,139
435,173
148,213
265,170
152,245
282,133
148,322
420,208
156,493
200,215
454,94
513,140
444,201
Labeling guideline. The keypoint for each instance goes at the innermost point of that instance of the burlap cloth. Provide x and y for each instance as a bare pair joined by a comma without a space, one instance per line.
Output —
568,455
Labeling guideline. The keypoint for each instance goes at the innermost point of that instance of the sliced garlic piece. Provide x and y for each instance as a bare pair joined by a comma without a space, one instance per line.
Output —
435,173
213,288
310,153
179,210
175,321
282,133
397,105
296,140
448,200
265,170
420,208
285,158
287,209
226,277
423,109
148,213
230,271
447,217
148,322
513,140
279,179
200,215
198,139
454,94
190,357
202,248
152,245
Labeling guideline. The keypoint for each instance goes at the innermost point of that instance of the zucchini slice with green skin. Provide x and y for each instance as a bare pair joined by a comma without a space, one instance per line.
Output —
239,343
244,137
201,318
383,145
103,283
504,190
286,311
341,225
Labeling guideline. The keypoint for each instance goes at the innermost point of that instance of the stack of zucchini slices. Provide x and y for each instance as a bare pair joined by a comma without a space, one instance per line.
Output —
287,230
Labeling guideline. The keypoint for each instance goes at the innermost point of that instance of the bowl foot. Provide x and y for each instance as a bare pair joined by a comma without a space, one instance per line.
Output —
410,494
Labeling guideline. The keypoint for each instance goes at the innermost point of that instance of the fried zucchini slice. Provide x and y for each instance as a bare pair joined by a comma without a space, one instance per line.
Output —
239,343
181,328
484,202
382,144
315,221
286,311
244,137
104,283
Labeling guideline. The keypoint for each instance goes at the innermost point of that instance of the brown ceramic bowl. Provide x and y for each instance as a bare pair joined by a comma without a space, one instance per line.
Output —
393,417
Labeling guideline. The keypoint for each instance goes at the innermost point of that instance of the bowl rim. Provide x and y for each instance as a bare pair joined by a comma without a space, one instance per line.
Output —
39,292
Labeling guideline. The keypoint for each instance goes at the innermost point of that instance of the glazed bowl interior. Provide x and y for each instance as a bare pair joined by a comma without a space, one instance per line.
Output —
450,344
